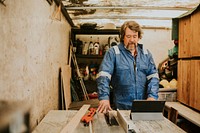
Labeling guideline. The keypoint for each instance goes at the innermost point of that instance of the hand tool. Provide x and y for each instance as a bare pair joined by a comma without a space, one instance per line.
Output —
88,117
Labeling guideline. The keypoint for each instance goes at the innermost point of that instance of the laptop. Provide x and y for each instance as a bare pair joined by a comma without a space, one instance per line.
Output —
147,110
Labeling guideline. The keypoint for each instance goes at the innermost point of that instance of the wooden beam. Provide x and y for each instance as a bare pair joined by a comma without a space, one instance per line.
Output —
65,13
127,7
71,126
121,17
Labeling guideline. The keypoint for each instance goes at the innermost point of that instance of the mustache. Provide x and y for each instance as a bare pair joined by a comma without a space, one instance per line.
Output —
132,43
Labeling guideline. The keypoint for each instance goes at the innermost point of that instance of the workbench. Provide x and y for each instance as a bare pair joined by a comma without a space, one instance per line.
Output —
55,120
184,111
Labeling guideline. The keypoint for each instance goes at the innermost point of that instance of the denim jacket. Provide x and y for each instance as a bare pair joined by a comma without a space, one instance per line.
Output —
131,78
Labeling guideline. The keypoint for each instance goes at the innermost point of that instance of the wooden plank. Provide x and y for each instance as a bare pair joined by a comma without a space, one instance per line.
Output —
195,41
173,115
157,126
54,121
162,126
66,76
194,94
125,121
62,94
126,7
81,128
71,126
180,40
77,105
185,112
99,123
184,81
184,37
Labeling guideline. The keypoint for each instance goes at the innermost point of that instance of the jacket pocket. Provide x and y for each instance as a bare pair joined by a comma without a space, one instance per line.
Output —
123,76
142,74
143,67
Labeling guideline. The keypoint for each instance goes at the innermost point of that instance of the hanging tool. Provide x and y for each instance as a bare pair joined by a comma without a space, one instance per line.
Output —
89,116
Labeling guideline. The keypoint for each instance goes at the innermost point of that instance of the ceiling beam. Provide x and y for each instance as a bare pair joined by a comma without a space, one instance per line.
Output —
128,7
121,17
65,13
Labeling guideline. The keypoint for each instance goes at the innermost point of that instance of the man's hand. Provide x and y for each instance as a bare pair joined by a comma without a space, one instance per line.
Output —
151,99
104,106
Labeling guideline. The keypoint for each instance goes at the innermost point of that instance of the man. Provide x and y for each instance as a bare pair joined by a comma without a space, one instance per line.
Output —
130,70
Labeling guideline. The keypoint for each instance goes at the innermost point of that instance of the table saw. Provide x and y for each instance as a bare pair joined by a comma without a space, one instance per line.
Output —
69,121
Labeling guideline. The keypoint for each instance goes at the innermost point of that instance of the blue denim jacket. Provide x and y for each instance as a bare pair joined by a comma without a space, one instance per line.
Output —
130,78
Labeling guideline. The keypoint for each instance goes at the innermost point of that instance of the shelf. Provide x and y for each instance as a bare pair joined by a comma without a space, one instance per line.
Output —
89,56
95,31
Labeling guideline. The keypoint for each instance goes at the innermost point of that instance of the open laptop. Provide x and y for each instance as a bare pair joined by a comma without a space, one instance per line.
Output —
147,110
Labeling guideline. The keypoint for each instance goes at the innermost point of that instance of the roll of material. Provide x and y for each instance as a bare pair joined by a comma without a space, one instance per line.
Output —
109,26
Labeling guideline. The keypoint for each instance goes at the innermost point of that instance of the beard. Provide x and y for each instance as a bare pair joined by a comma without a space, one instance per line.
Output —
131,46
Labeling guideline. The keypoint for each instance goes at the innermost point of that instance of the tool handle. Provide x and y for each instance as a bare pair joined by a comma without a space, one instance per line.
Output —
88,117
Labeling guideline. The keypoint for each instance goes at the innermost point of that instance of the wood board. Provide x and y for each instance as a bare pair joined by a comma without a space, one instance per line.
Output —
71,126
184,38
194,94
157,126
195,34
66,76
54,121
185,112
184,82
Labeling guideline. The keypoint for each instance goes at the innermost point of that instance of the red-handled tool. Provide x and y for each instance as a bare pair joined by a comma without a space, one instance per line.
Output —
88,117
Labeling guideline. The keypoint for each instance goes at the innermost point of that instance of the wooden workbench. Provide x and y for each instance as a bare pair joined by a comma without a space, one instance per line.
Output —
55,120
185,112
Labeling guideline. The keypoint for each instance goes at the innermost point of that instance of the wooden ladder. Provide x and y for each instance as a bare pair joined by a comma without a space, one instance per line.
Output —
78,73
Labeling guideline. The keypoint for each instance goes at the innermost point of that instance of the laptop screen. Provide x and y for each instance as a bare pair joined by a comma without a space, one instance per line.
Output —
147,106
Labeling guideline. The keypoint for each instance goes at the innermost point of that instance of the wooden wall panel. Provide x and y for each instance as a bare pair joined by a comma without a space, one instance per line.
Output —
184,37
189,63
183,81
195,85
195,33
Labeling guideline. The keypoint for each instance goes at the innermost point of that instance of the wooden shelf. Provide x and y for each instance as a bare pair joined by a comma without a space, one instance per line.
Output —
76,31
95,31
89,56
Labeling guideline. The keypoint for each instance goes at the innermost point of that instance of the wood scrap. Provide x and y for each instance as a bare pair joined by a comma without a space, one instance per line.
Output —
71,126
62,93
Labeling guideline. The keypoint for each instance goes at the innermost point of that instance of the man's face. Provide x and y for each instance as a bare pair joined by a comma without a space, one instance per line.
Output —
130,39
